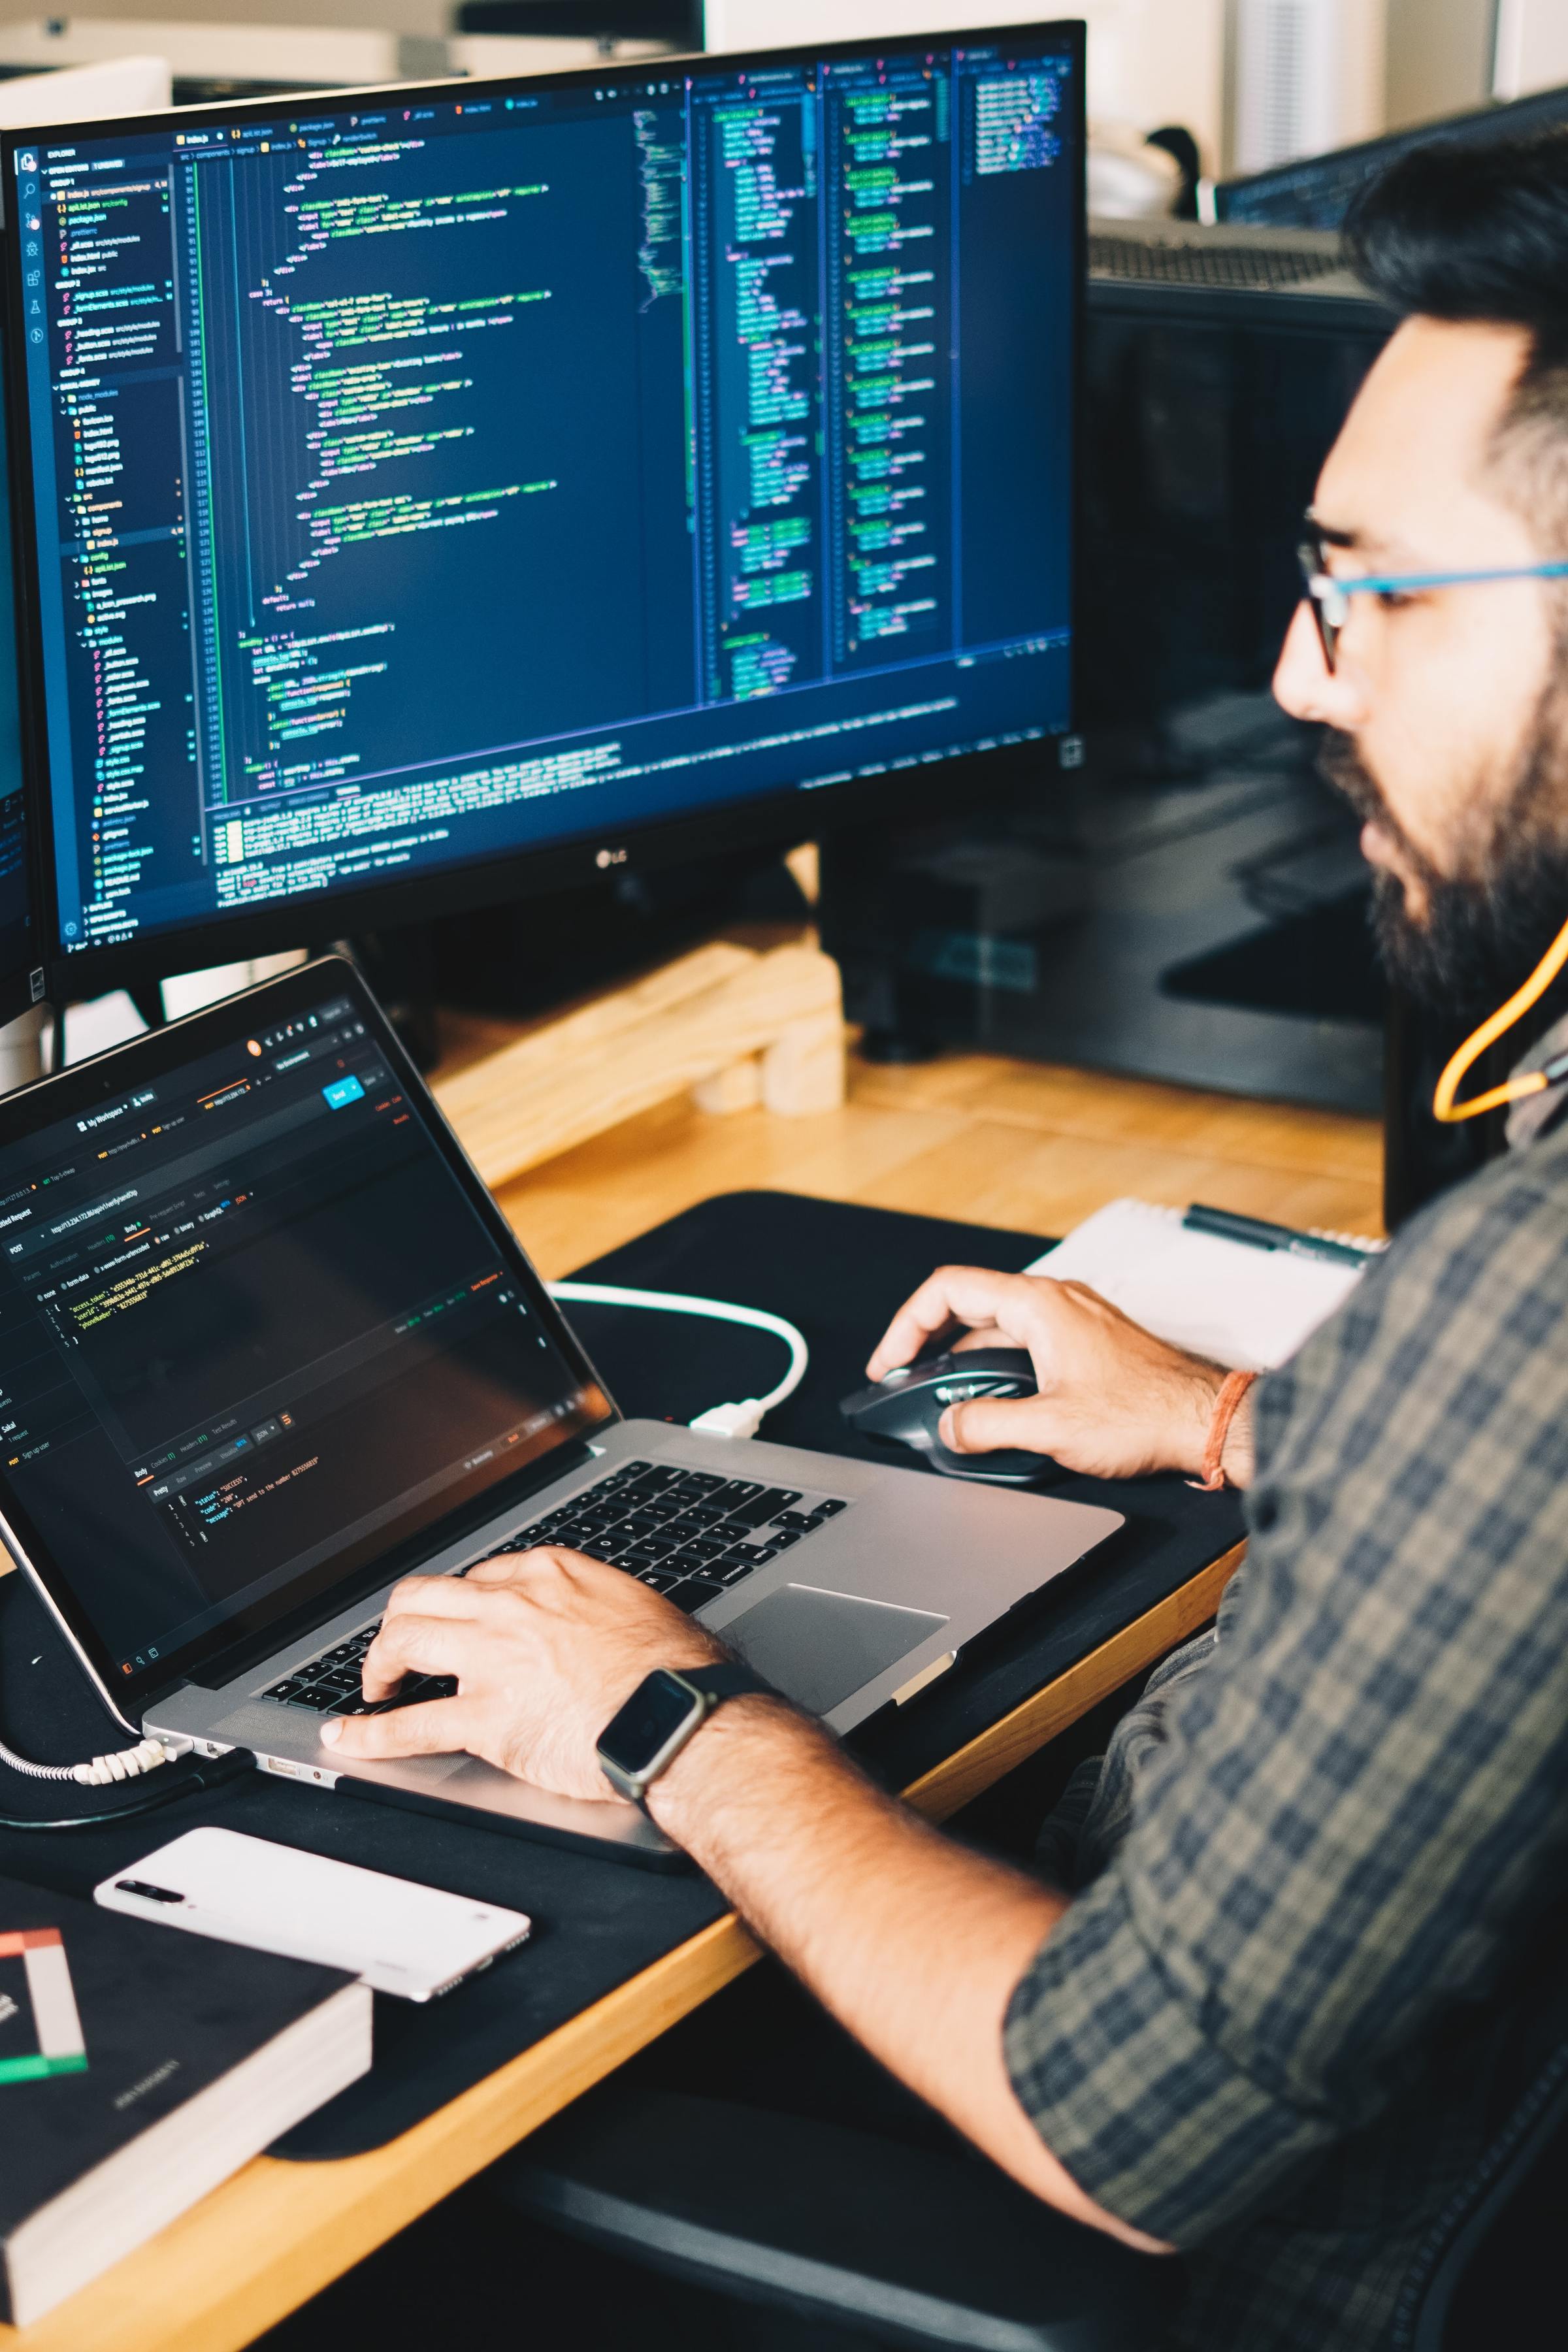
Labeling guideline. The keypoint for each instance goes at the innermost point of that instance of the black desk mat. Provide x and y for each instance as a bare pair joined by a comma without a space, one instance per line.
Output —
837,1271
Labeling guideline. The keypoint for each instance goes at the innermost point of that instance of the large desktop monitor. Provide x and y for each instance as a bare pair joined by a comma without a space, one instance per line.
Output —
1317,191
21,974
436,494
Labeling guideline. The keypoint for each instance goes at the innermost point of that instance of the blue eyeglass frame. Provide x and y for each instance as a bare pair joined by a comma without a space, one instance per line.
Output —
1329,597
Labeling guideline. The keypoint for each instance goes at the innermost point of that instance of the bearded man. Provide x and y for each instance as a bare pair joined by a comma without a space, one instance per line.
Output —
1264,2007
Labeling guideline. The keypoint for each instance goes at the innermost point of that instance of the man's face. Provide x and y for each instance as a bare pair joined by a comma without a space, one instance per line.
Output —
1448,727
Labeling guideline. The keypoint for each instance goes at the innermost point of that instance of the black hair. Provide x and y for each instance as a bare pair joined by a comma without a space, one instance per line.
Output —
1477,236
1474,235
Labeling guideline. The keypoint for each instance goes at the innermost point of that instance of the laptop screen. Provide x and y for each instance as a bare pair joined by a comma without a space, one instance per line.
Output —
256,1329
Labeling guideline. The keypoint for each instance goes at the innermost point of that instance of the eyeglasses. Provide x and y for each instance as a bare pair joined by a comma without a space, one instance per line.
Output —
1330,596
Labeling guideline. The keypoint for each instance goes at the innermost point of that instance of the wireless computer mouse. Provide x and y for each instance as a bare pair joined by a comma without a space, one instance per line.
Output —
908,1403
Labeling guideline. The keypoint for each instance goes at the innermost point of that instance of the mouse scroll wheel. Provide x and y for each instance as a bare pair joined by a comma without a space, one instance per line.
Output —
961,1391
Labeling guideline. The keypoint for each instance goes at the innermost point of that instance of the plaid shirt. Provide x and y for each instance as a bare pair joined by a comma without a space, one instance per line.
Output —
1320,1861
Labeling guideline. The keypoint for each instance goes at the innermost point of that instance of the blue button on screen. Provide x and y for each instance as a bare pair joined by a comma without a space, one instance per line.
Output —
343,1090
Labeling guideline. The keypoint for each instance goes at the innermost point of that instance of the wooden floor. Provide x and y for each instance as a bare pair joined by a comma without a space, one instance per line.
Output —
971,1136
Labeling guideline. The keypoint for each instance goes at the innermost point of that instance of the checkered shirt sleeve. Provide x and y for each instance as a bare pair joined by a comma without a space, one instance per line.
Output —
1355,1813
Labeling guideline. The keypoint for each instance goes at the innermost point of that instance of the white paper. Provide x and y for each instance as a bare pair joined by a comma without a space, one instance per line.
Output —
1247,1308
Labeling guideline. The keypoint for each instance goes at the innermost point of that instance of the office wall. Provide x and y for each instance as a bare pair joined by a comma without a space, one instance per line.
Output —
1531,47
432,18
1306,76
1439,58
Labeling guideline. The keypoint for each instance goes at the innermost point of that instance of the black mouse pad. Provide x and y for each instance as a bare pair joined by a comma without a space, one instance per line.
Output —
839,1272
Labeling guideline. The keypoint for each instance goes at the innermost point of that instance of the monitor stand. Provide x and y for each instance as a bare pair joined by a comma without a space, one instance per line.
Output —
532,955
529,957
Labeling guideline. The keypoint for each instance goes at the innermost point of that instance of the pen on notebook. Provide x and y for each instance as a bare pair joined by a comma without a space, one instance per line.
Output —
1258,1233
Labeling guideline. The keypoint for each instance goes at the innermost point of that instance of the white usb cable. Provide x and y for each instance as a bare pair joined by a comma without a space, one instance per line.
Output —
742,1420
128,1764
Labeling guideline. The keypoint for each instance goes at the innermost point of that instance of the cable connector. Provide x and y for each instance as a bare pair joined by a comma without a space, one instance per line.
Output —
125,1764
129,1764
732,1420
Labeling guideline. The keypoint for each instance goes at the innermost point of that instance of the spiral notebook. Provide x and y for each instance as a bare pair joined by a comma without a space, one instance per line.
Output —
1245,1307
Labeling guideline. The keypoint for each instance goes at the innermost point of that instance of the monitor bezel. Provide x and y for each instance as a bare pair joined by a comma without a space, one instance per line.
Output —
775,819
85,1084
25,986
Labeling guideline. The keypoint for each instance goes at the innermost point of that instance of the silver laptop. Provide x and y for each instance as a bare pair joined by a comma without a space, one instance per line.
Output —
269,1344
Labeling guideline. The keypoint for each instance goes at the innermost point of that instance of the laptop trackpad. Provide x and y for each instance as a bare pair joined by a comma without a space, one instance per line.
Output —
820,1647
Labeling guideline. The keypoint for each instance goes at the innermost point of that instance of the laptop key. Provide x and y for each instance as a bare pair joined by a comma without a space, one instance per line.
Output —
828,1510
729,1573
416,1689
683,1564
651,1483
765,1506
695,1593
660,1580
750,1555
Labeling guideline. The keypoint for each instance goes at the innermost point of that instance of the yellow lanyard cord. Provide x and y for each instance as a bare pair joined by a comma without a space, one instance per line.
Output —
1444,1106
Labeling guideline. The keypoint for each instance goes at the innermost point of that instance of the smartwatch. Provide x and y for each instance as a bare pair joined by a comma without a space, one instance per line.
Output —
662,1713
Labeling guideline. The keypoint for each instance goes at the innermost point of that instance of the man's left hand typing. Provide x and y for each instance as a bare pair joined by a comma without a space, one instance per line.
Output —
545,1647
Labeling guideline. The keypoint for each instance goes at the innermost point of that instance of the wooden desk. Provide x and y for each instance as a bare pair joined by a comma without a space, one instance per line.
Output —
977,1137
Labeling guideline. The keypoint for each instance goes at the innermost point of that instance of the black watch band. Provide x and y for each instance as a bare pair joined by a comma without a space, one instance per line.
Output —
731,1680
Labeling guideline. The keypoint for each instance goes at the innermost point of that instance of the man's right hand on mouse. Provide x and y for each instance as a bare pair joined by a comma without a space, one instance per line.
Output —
1114,1401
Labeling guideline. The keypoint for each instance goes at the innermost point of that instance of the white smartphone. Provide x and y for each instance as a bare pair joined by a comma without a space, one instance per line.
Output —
415,1941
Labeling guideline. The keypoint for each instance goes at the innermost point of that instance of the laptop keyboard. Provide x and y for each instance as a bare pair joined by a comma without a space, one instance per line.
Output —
691,1534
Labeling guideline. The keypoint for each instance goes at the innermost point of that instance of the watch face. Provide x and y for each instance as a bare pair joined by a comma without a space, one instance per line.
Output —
652,1715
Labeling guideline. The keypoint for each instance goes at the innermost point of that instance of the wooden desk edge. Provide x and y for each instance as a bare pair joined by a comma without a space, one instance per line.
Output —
277,2233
